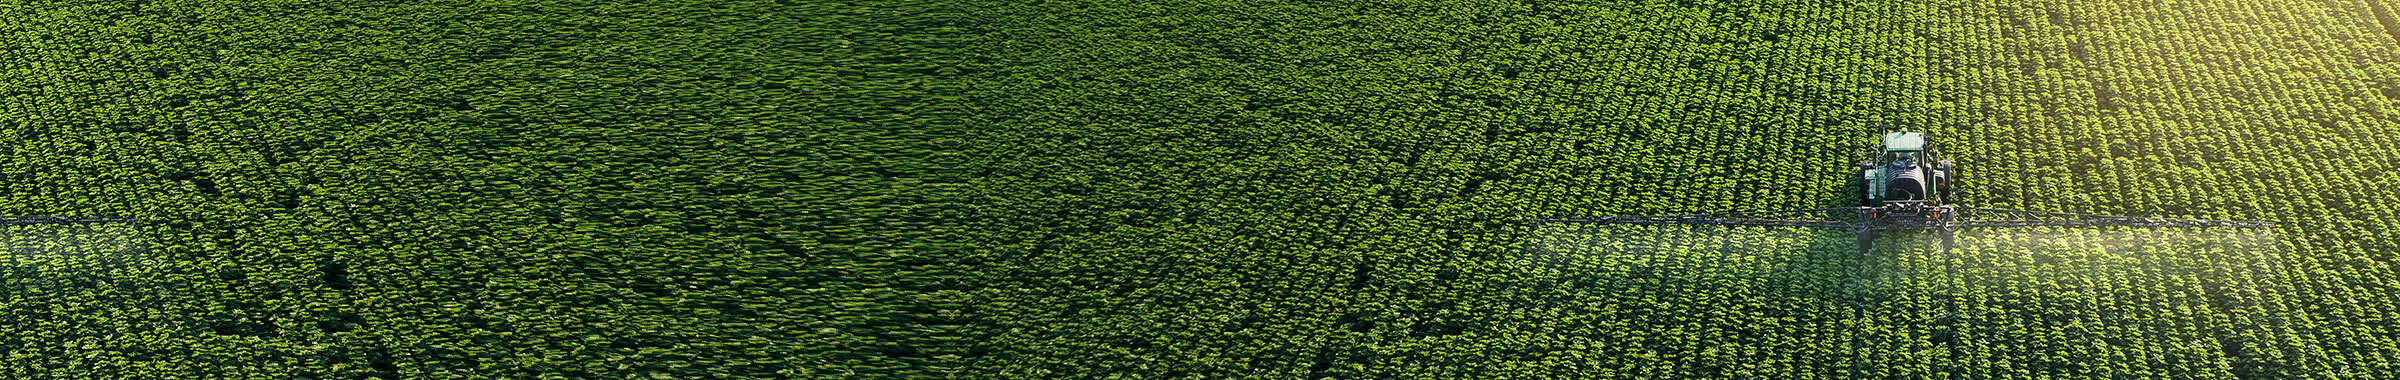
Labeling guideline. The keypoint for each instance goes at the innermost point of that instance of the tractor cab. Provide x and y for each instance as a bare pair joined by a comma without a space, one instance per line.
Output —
1905,172
1903,141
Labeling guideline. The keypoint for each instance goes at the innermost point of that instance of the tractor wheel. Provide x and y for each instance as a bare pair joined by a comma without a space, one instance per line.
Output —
1866,194
1950,179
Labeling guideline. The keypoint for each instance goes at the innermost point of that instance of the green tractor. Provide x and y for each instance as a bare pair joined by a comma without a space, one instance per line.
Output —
1907,172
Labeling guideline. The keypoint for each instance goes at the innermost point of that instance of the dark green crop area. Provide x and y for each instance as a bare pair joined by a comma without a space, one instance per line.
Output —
469,189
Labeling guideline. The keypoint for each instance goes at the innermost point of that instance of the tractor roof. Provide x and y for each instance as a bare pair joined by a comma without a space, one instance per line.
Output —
1903,141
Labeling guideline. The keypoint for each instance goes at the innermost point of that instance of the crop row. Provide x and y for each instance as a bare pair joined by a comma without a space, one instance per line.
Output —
2245,110
1219,189
471,190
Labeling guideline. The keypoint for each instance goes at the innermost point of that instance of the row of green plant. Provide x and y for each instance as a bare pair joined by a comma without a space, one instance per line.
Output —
1261,189
473,189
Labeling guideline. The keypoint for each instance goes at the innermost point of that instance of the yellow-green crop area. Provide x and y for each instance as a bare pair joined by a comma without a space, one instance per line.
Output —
1231,189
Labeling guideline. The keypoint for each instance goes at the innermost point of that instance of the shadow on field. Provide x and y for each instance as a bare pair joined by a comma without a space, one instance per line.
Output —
1674,301
1679,301
1792,264
2198,303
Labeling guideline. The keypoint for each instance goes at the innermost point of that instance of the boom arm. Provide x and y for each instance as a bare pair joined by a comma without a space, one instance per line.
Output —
1944,219
1997,218
2023,218
1784,218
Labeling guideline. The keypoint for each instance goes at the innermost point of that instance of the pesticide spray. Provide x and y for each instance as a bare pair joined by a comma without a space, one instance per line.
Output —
1689,294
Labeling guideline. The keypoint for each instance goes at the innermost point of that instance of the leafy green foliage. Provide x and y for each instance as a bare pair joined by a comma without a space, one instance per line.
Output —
473,189
1217,189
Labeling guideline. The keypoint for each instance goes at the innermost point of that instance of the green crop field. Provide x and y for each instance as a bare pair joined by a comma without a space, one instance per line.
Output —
1236,189
976,189
470,189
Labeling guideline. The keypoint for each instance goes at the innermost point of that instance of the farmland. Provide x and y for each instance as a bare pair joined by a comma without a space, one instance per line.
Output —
1213,189
468,189
531,189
